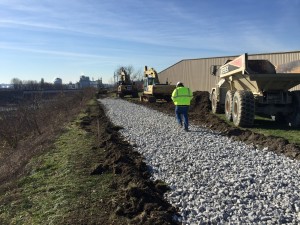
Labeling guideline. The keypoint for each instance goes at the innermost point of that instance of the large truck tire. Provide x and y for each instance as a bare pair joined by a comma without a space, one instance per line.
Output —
294,118
243,111
215,105
229,104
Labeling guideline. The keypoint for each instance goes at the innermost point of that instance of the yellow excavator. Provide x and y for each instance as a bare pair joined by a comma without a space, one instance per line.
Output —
153,89
125,85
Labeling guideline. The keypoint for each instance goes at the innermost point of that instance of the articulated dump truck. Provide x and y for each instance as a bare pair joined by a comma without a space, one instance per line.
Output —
249,87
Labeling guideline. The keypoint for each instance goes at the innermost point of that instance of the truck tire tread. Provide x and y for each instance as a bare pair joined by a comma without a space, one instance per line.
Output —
229,104
243,108
216,106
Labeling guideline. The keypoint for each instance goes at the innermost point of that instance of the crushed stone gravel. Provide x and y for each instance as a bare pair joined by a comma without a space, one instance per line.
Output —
213,179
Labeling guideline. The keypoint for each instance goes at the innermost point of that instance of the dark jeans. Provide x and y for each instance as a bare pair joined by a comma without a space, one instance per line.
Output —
182,111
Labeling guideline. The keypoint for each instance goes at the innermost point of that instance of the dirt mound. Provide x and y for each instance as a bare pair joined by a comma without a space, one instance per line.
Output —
200,103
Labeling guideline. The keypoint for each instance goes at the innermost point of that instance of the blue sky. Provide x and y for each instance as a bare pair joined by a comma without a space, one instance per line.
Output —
66,38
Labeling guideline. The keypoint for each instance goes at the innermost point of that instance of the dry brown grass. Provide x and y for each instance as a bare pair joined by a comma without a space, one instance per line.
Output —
28,130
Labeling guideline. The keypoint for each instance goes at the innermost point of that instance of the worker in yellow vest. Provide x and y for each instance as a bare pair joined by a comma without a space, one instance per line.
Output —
182,97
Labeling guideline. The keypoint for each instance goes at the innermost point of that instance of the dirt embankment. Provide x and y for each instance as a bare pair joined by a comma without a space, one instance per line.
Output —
140,200
200,114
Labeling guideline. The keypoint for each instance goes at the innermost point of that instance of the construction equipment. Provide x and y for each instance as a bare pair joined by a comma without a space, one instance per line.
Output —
125,85
249,87
153,89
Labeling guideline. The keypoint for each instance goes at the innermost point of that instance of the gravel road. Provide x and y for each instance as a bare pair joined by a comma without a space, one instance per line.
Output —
212,178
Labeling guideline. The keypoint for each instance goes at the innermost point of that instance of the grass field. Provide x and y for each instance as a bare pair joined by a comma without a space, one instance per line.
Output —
269,127
59,187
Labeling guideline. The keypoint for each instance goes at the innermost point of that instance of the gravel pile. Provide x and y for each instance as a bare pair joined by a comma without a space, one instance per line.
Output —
212,178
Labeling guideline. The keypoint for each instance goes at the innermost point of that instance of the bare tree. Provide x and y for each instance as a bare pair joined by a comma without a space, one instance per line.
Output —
129,69
42,83
30,84
138,75
133,74
17,83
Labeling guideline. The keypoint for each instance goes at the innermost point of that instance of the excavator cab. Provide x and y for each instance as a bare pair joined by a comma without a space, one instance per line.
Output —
147,82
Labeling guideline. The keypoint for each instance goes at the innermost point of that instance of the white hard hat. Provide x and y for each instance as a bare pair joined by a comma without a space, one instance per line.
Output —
179,82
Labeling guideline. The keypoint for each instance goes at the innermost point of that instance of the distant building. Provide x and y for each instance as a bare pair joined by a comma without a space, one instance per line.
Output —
57,81
84,82
72,86
97,83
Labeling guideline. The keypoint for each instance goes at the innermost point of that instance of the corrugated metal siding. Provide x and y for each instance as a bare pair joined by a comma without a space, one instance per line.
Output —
195,73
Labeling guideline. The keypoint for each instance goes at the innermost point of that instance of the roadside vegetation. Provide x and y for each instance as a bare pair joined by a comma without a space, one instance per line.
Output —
32,125
59,188
269,127
38,114
88,175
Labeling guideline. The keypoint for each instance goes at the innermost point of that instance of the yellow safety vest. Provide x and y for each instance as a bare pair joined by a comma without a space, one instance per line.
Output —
182,96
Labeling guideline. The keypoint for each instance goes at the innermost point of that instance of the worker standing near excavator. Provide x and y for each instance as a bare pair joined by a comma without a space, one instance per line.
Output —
182,97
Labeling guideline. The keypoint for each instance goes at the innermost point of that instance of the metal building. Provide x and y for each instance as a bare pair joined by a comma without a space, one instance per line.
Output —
196,73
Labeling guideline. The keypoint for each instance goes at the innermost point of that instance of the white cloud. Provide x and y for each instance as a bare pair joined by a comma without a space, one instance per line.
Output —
11,46
13,23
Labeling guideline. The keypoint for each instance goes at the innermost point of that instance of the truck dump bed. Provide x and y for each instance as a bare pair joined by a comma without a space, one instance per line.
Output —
257,75
279,81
